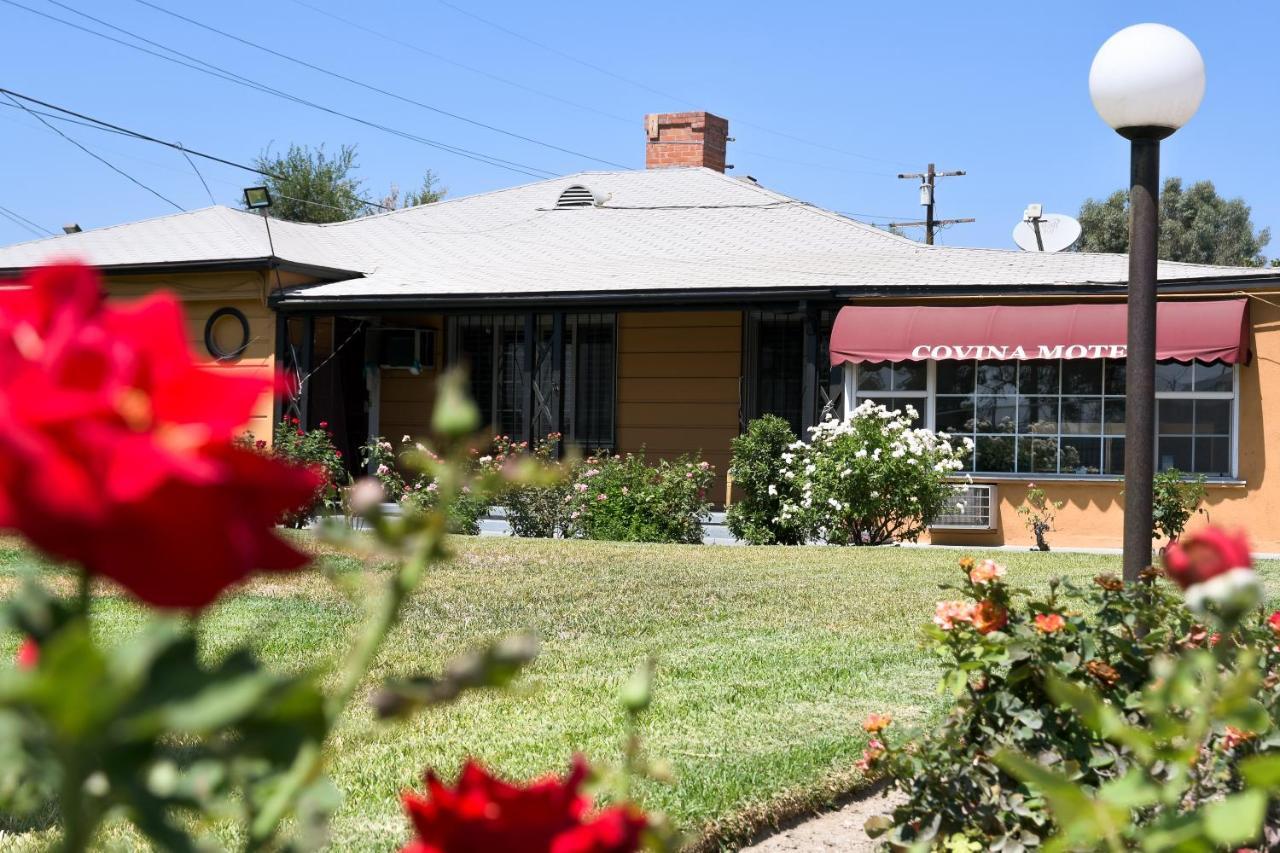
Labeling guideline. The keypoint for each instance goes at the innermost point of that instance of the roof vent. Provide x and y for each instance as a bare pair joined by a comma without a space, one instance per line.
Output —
71,228
576,196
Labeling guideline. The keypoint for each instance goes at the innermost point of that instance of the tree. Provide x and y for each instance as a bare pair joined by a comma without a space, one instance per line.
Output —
309,185
1196,226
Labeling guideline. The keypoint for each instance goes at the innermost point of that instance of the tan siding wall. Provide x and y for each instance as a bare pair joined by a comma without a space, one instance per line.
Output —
678,388
201,295
406,400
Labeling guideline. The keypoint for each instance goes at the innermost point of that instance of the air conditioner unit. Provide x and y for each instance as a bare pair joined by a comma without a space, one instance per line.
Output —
974,508
411,349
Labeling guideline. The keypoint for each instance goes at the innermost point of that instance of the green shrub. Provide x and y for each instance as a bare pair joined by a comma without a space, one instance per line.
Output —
306,447
407,477
534,508
1174,499
870,479
1006,654
621,498
757,471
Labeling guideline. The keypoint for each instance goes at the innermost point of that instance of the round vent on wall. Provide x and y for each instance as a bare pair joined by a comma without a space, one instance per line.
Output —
576,196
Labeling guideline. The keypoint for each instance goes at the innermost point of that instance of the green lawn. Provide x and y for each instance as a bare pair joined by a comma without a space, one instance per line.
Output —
768,659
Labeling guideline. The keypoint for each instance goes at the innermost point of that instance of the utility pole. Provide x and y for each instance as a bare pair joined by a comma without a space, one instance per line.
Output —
926,199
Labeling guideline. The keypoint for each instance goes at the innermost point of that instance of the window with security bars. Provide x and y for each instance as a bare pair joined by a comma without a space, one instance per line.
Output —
494,348
1063,416
776,372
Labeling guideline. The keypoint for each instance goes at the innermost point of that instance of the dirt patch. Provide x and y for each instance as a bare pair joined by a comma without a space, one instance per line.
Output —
836,830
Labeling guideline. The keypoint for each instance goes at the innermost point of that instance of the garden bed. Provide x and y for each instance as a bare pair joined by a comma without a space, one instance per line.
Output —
768,660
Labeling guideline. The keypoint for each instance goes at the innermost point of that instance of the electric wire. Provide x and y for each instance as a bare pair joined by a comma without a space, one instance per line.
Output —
99,124
104,161
471,68
22,221
203,182
216,71
641,85
372,88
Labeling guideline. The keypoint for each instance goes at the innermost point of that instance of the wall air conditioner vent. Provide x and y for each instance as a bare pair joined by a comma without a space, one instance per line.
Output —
575,196
974,508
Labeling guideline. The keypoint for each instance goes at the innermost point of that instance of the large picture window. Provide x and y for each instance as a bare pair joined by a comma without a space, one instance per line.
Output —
1062,417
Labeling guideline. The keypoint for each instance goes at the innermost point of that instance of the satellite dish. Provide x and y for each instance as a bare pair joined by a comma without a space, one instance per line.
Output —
1045,232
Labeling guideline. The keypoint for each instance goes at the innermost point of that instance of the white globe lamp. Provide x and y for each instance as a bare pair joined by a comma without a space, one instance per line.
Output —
1147,81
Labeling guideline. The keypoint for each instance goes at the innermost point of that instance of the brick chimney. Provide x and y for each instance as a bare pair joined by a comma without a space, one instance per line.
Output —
685,139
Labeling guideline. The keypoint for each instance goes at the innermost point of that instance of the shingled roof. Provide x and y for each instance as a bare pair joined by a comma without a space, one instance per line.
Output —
688,230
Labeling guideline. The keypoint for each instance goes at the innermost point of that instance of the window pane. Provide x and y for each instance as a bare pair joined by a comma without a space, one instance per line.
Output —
1038,377
1113,416
997,377
955,377
1173,376
1213,416
1173,453
875,376
1113,376
995,453
1113,456
1174,417
910,376
1082,415
779,366
1213,377
1038,455
954,414
996,414
1081,456
1213,457
1082,376
593,387
1038,415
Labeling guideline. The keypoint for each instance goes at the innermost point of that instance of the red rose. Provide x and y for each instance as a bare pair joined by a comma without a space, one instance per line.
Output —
117,448
1274,621
1205,555
28,654
482,814
324,425
989,616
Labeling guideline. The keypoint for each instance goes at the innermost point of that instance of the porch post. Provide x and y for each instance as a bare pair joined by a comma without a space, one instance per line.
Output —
557,375
527,374
809,385
281,356
305,358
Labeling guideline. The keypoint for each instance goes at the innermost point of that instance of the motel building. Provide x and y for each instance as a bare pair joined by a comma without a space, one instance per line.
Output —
662,309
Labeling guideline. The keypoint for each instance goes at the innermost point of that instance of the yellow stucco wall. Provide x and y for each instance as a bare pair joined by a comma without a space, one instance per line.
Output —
201,295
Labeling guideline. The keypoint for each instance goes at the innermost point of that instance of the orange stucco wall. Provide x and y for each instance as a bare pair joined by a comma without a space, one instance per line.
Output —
1093,514
201,295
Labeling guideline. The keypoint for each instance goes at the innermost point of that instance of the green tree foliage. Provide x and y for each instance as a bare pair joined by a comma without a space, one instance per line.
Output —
1196,226
310,185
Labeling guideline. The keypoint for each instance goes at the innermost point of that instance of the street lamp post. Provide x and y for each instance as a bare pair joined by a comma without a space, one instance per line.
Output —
1146,82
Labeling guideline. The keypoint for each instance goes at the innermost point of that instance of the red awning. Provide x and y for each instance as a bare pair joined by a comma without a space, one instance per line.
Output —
1214,330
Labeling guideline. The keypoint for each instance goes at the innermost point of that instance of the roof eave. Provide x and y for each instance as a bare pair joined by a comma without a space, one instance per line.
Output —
222,265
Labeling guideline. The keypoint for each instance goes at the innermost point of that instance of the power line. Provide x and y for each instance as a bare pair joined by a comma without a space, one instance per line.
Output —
372,88
230,76
104,161
203,182
471,68
22,221
638,84
98,124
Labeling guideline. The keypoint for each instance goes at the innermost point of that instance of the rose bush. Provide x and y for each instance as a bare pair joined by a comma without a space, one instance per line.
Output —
110,426
533,508
870,479
118,454
1111,691
408,475
623,499
314,449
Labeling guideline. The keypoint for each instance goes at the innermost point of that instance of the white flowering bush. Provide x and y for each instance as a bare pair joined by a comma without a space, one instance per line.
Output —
870,479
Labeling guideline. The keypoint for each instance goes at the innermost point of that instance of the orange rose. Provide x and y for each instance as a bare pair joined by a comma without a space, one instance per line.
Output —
1050,623
989,616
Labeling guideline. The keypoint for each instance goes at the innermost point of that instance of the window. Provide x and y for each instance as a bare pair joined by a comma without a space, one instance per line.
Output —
1062,416
895,385
494,348
775,345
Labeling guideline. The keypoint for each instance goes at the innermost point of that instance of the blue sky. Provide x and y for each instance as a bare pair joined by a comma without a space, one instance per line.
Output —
997,89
